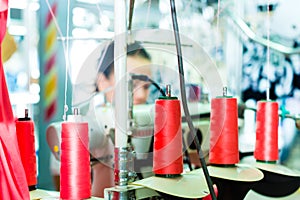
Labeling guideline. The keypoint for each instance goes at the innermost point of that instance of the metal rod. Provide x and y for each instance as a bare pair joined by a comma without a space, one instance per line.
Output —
26,113
86,38
253,36
224,91
131,8
109,38
168,90
120,69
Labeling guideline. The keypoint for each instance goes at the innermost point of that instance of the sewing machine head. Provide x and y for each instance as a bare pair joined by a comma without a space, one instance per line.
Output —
101,122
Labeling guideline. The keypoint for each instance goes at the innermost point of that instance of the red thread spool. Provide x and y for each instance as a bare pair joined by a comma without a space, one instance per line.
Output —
266,146
224,131
75,169
167,154
26,143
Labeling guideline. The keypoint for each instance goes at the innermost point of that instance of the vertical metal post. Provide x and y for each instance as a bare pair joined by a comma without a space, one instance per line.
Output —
121,90
234,49
121,94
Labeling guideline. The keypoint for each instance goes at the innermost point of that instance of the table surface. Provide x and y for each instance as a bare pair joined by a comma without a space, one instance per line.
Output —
40,194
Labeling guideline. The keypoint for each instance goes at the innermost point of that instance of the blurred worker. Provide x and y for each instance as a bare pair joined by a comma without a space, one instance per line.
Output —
138,62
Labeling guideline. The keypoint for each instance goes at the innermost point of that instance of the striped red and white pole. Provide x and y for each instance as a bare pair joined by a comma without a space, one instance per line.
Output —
50,70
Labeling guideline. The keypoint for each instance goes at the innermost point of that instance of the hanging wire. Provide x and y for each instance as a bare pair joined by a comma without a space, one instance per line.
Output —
131,8
268,50
184,101
218,27
100,11
67,61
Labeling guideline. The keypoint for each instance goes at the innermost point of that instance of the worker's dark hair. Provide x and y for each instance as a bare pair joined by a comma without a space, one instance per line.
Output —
106,61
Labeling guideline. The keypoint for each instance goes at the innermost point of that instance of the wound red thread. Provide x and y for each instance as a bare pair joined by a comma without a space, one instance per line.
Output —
26,142
75,172
266,146
224,148
167,154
